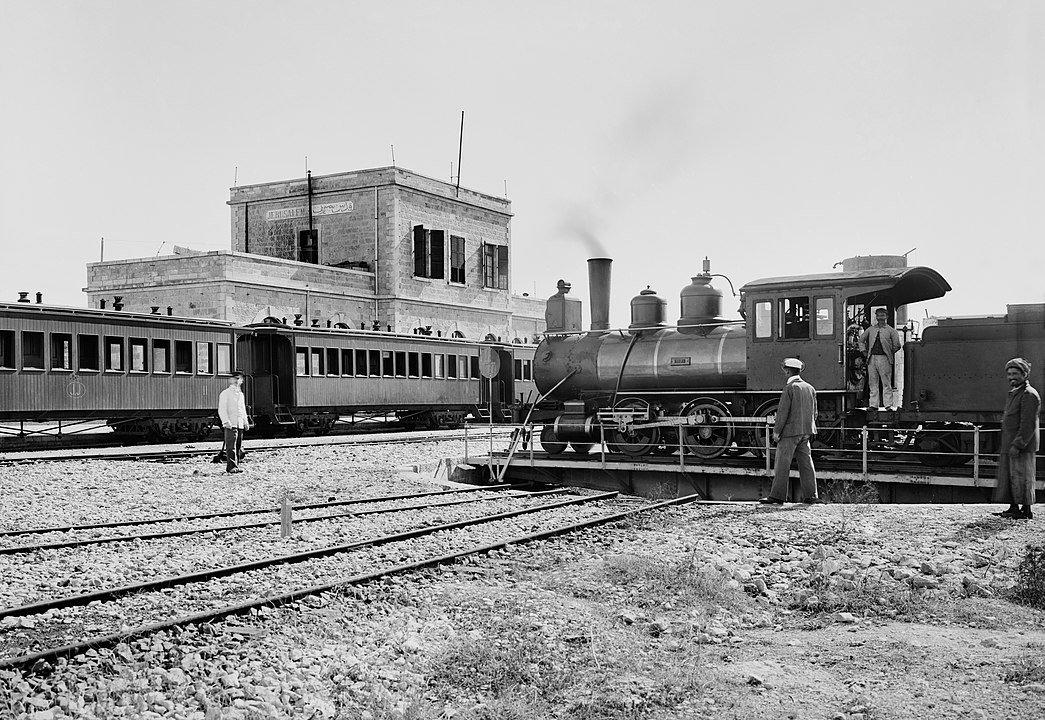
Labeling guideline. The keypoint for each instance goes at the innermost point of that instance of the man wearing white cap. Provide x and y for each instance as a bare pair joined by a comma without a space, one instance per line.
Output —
795,422
1019,442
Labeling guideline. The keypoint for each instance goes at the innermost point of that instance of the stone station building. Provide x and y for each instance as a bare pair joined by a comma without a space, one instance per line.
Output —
384,249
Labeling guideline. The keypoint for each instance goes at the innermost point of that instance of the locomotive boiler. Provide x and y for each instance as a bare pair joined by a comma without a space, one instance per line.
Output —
623,378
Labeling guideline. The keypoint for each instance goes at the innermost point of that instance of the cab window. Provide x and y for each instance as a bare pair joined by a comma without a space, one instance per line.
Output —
794,318
825,316
763,319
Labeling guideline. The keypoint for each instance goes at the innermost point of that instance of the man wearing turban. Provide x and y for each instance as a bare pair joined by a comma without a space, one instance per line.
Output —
1019,442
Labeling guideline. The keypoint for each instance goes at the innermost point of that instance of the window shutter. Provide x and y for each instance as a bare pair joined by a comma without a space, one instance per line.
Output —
502,267
420,252
436,249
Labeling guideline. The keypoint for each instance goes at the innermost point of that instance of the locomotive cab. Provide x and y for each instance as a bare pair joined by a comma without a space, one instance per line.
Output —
819,319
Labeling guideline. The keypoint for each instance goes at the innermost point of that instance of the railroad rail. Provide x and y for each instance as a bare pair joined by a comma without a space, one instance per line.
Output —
189,450
30,657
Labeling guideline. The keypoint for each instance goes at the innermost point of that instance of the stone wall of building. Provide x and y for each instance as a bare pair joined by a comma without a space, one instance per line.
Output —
364,272
233,286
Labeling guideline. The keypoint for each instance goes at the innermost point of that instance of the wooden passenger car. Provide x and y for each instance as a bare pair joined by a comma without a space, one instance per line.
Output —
137,371
310,376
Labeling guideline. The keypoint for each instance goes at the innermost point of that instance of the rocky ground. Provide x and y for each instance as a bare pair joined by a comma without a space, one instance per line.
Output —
856,612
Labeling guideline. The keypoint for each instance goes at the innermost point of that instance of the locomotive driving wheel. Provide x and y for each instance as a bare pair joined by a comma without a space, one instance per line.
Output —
713,435
633,442
756,436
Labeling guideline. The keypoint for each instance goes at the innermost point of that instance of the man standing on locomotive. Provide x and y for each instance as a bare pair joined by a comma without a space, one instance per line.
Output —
795,422
232,410
1019,442
879,344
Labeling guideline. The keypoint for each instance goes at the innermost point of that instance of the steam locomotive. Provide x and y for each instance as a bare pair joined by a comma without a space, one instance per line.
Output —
709,386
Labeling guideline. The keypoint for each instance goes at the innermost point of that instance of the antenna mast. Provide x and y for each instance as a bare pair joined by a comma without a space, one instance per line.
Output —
460,145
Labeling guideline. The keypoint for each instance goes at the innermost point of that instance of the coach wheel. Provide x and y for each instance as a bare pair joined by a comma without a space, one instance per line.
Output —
713,435
756,436
633,442
550,441
582,448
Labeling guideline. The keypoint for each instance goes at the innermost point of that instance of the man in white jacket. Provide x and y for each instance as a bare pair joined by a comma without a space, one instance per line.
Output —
232,410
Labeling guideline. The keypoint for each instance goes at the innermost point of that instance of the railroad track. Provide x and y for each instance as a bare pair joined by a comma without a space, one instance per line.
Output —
172,453
43,631
183,520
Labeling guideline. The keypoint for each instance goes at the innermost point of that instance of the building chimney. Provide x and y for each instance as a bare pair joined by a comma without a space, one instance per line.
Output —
599,292
23,297
170,310
101,303
39,298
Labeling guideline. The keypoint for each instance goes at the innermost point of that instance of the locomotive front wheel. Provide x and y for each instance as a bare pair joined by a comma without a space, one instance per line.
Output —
633,442
581,448
714,435
550,442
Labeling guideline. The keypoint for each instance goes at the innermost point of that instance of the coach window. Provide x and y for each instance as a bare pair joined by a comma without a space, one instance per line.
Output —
400,364
426,365
114,354
302,362
32,350
439,370
361,363
387,363
182,357
224,358
794,318
317,362
139,354
462,367
527,370
333,361
451,366
347,367
88,357
825,316
763,320
161,357
475,367
414,366
61,351
7,349
204,358
374,362
518,369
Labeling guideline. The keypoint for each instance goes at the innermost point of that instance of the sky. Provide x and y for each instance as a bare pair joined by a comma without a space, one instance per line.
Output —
775,137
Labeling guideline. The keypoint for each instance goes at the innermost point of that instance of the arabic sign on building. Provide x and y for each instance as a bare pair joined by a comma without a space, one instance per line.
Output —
336,208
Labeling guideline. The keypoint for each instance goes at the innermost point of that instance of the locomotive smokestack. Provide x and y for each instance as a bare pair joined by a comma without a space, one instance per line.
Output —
599,292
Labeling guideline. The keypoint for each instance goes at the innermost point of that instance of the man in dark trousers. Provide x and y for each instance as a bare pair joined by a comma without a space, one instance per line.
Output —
232,411
1019,442
795,422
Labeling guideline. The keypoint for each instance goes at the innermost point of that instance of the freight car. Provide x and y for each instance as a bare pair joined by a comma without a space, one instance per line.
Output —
711,385
158,376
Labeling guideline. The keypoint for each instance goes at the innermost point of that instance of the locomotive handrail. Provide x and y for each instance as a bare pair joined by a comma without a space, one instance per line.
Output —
526,423
637,330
